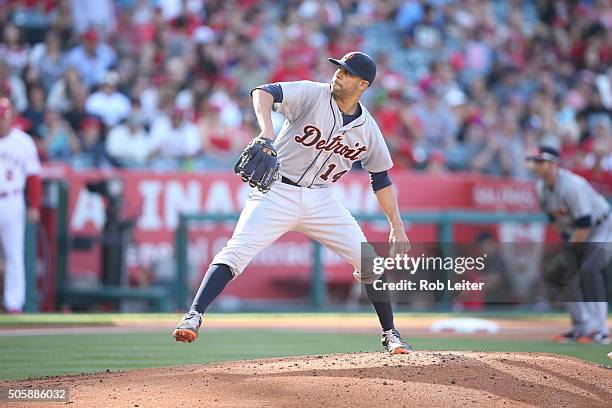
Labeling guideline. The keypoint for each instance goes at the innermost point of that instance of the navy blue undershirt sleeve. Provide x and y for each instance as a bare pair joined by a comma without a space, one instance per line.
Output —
380,180
273,89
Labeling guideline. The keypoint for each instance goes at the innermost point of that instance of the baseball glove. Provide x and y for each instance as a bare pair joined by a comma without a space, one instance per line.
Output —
258,164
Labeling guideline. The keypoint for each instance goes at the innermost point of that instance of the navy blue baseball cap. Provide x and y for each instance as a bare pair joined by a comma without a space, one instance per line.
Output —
359,64
544,153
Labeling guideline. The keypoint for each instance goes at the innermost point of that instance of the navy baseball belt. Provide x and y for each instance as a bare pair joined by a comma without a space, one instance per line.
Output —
287,181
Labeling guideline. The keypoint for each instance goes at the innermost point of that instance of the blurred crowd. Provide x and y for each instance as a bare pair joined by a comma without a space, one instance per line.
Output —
462,85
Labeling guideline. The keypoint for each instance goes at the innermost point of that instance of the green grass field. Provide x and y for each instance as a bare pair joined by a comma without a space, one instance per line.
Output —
36,356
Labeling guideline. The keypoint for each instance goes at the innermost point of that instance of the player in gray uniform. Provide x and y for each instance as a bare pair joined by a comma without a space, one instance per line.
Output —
584,215
325,132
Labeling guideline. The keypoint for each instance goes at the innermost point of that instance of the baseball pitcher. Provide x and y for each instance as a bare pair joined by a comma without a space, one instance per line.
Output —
325,132
19,172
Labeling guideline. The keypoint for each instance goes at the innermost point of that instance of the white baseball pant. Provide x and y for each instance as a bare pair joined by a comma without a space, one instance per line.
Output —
589,317
12,237
314,212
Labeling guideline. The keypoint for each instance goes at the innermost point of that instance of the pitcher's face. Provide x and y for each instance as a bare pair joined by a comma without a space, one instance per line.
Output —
345,84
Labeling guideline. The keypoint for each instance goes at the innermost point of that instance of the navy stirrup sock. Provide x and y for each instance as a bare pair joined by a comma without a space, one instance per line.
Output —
215,279
383,309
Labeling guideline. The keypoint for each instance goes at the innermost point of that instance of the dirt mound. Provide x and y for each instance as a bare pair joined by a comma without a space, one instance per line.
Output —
360,380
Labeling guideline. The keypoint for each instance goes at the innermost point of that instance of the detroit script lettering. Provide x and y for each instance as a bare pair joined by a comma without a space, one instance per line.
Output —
312,138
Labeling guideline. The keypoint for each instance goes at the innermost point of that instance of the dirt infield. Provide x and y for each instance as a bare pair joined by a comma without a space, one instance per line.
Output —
360,380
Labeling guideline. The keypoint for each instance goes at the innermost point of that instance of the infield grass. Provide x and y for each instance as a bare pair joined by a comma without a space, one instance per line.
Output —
60,354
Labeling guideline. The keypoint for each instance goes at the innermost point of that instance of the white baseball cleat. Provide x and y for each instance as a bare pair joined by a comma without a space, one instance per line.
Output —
393,343
187,329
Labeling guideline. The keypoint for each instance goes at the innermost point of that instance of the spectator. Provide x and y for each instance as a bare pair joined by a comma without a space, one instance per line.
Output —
427,33
62,93
250,72
230,112
291,70
438,123
12,86
147,94
460,153
207,64
93,58
93,13
128,144
108,103
30,77
569,137
391,80
388,113
436,163
77,114
35,112
443,78
579,95
61,20
177,73
48,59
409,13
510,73
477,54
172,8
486,153
593,114
481,151
220,143
512,155
13,49
175,136
59,140
597,165
33,18
92,152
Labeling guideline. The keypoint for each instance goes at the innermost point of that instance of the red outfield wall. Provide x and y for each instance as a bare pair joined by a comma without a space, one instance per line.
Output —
156,199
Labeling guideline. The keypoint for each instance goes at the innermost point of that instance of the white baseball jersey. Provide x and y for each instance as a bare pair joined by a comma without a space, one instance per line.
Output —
315,149
175,142
571,198
18,160
314,146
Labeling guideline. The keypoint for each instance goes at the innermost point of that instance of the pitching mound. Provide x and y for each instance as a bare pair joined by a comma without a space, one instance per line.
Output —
359,380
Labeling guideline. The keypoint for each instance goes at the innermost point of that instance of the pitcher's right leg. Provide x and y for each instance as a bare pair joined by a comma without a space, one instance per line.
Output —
330,223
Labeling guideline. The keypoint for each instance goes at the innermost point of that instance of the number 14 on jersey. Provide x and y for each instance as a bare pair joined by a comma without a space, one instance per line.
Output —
330,168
